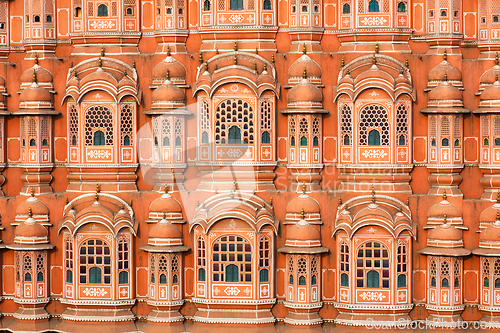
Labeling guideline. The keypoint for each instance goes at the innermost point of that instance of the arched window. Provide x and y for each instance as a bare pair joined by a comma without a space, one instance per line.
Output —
373,279
401,7
78,12
266,137
264,259
166,141
36,19
401,140
290,267
266,5
200,259
178,141
445,142
235,4
206,5
402,264
374,138
69,276
68,259
444,13
123,261
302,280
234,135
314,271
445,274
32,143
346,9
204,138
99,118
163,278
486,282
39,277
127,124
292,141
433,272
497,141
402,121
373,6
27,267
162,269
126,140
347,140
99,138
49,18
445,283
129,11
372,257
303,141
102,10
315,141
232,273
374,117
234,251
169,11
95,262
344,264
175,269
40,267
495,18
302,271
456,273
497,283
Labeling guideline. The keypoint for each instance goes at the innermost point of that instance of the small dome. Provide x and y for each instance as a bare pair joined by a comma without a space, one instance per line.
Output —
36,205
490,75
165,204
99,75
169,67
490,214
168,92
445,232
444,208
165,229
303,203
305,92
35,93
373,73
97,209
492,92
444,68
347,79
303,230
31,229
445,92
401,79
491,233
304,62
42,75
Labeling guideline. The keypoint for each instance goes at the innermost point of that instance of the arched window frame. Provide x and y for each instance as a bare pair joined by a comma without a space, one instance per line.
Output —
373,255
402,265
264,259
102,10
368,123
344,264
123,261
237,112
232,249
94,122
88,249
201,260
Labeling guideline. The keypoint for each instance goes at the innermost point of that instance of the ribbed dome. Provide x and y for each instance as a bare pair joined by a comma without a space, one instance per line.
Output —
303,203
444,68
35,93
31,229
305,92
99,75
374,72
169,67
165,229
303,230
490,75
492,92
168,92
304,62
165,204
445,232
491,233
347,79
97,208
444,208
489,215
445,91
36,205
42,75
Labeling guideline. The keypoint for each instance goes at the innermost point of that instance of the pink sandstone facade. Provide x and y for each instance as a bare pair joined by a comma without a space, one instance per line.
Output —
248,165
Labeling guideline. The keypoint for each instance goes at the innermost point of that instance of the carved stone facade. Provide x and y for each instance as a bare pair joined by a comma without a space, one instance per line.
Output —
248,165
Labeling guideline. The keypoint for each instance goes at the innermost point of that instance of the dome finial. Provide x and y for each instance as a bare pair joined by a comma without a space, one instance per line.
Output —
100,62
304,74
446,77
265,67
66,200
164,215
272,58
168,50
444,195
30,212
168,75
304,50
206,65
302,214
373,193
376,48
200,57
304,188
271,202
374,60
133,64
102,50
232,194
256,50
342,63
498,196
234,185
216,51
445,55
407,64
32,192
34,76
235,60
496,77
36,58
97,188
445,221
166,188
340,201
75,74
496,59
498,215
235,45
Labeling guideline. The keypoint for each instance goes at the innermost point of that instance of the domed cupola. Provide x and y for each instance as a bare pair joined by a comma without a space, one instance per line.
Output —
489,239
444,71
444,210
305,95
43,76
35,99
445,240
304,62
167,97
169,66
165,207
303,206
489,77
39,211
489,99
489,215
303,237
165,237
31,235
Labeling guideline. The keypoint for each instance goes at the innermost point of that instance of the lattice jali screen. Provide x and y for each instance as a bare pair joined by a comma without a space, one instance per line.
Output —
234,112
346,121
73,124
99,118
402,122
232,250
166,131
127,123
374,117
